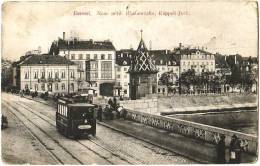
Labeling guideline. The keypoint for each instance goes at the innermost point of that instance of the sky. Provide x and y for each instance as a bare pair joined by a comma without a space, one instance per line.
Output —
224,27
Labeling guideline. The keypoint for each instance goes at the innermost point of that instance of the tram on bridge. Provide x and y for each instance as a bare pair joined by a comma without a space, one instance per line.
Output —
75,118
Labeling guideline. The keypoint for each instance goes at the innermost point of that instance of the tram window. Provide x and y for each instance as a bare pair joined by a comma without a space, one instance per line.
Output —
65,111
62,110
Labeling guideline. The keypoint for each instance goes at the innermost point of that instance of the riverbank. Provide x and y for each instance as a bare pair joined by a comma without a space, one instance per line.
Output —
202,103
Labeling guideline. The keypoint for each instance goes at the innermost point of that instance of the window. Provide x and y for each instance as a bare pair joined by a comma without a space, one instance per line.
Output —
36,74
63,86
159,90
106,70
118,76
26,75
56,86
125,69
125,83
36,87
87,56
26,86
49,74
118,68
125,76
183,63
72,56
43,87
80,56
211,63
72,74
56,74
95,56
125,91
109,56
102,56
42,74
63,74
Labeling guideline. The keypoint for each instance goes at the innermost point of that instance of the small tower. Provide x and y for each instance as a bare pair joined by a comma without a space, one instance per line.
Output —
142,73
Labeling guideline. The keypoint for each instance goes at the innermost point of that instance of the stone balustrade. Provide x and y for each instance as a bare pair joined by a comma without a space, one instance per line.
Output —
209,134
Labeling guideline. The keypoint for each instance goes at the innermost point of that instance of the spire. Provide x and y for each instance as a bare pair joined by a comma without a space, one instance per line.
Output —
142,61
141,34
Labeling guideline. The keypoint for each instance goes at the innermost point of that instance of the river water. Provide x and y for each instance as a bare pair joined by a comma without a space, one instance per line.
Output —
243,121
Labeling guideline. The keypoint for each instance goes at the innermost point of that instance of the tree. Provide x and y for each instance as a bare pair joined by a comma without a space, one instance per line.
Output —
186,80
167,80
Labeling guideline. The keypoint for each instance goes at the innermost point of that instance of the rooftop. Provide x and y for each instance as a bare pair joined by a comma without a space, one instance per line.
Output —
76,44
46,59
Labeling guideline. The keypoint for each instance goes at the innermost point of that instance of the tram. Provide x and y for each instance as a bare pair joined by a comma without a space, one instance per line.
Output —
75,118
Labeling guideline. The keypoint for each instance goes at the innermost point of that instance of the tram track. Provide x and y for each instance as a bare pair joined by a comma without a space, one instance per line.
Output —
106,157
22,118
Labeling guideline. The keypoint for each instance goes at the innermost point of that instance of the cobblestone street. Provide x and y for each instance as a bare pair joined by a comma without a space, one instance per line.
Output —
108,147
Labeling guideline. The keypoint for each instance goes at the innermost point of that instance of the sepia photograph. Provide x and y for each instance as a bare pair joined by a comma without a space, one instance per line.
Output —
129,82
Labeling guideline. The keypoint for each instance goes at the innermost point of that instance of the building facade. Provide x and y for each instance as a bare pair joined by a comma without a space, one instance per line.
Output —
165,62
197,59
45,72
95,61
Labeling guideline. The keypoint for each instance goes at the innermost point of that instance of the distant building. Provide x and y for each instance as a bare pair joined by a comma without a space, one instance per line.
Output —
165,62
45,72
197,59
123,61
95,60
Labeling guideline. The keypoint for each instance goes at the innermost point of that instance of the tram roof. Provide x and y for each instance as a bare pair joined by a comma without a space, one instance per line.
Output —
81,105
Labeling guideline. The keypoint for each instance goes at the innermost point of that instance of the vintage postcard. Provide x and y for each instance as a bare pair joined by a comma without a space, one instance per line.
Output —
129,82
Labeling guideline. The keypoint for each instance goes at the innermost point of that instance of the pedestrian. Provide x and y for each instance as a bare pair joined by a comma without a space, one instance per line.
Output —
110,102
99,113
221,150
235,150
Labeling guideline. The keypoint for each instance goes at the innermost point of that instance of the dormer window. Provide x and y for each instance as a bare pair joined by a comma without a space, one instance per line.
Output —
169,63
124,63
197,52
161,62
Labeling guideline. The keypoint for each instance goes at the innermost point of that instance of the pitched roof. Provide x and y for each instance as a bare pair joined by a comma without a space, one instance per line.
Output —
164,57
85,45
142,61
123,57
189,51
46,59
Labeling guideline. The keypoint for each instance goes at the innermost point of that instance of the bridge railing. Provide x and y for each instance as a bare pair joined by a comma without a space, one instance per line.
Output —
210,134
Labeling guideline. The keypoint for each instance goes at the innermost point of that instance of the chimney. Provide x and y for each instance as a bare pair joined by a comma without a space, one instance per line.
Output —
225,58
166,51
235,59
63,37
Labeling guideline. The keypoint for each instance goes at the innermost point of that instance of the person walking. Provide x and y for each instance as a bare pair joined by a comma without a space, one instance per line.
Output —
221,150
99,113
235,150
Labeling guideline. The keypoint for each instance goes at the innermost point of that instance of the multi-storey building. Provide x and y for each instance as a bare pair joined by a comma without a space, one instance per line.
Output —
165,62
95,60
123,60
197,59
45,72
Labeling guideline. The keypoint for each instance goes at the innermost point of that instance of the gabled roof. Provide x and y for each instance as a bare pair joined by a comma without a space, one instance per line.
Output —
123,57
85,45
142,61
46,59
189,51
